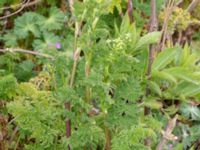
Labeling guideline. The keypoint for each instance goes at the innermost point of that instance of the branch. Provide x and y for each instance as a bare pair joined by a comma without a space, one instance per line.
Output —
32,3
130,10
13,6
167,135
16,12
192,5
153,27
23,5
25,51
168,11
153,19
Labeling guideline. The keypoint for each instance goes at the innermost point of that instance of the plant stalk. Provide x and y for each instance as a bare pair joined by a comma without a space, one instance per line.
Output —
108,139
130,10
153,27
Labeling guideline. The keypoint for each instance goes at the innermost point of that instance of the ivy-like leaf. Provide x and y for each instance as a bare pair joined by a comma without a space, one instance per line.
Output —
27,23
47,43
191,111
54,21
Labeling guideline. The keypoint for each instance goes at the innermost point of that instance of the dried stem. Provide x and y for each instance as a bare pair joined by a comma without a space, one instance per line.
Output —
168,12
15,6
12,50
22,3
108,139
153,27
16,12
130,10
32,3
167,135
193,5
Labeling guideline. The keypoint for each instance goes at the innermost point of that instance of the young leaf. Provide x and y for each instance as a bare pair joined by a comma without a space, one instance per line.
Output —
183,74
164,75
164,58
54,21
185,54
187,89
147,39
27,23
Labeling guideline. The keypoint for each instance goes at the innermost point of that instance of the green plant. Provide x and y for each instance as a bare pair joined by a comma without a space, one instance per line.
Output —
92,90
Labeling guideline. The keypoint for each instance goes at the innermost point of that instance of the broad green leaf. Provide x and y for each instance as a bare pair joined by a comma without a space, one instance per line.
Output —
183,74
164,58
164,75
27,23
187,89
147,39
55,20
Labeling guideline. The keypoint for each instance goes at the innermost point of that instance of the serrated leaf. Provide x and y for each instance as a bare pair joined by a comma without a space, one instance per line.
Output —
164,58
27,23
147,39
47,43
164,75
184,74
185,54
187,89
191,111
10,39
55,21
190,61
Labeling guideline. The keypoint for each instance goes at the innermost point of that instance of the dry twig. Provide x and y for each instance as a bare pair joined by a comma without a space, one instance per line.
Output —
193,5
167,134
25,51
23,5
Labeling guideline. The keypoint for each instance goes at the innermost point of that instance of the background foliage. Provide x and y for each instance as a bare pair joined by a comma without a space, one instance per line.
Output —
89,54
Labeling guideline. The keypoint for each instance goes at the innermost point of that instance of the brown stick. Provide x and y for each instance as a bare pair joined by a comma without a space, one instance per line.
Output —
167,135
130,10
193,5
25,51
153,27
14,13
168,12
108,139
